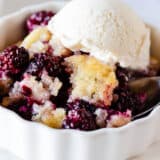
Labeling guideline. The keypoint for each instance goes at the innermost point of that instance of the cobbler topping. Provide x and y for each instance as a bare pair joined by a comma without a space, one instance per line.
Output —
52,84
50,116
38,41
43,81
37,19
38,109
37,90
92,81
59,49
119,119
54,118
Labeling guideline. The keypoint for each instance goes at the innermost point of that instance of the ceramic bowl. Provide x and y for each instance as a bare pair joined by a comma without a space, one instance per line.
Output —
34,141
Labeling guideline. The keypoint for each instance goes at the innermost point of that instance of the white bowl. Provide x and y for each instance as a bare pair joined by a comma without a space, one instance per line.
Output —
34,141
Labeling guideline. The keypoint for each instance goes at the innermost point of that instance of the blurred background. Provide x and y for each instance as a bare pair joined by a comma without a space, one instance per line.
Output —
7,6
147,9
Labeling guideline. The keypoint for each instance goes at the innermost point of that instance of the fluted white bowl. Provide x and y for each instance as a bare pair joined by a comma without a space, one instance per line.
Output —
34,141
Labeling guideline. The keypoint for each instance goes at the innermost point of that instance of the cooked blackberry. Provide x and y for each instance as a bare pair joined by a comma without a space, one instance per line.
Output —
53,65
40,18
123,97
81,104
79,119
80,116
14,60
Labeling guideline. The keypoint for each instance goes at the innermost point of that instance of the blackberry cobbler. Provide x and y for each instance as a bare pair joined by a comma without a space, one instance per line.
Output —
43,81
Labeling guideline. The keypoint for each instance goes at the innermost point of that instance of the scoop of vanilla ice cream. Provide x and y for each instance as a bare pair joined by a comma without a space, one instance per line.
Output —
107,29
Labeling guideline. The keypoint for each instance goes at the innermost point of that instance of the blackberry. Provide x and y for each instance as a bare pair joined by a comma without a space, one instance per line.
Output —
123,97
37,64
40,18
81,104
124,100
53,65
79,119
80,116
14,60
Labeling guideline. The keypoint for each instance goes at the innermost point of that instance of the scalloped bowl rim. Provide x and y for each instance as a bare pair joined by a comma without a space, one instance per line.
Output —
89,133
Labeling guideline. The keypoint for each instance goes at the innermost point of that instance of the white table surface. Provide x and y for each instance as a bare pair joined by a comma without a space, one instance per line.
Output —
149,10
